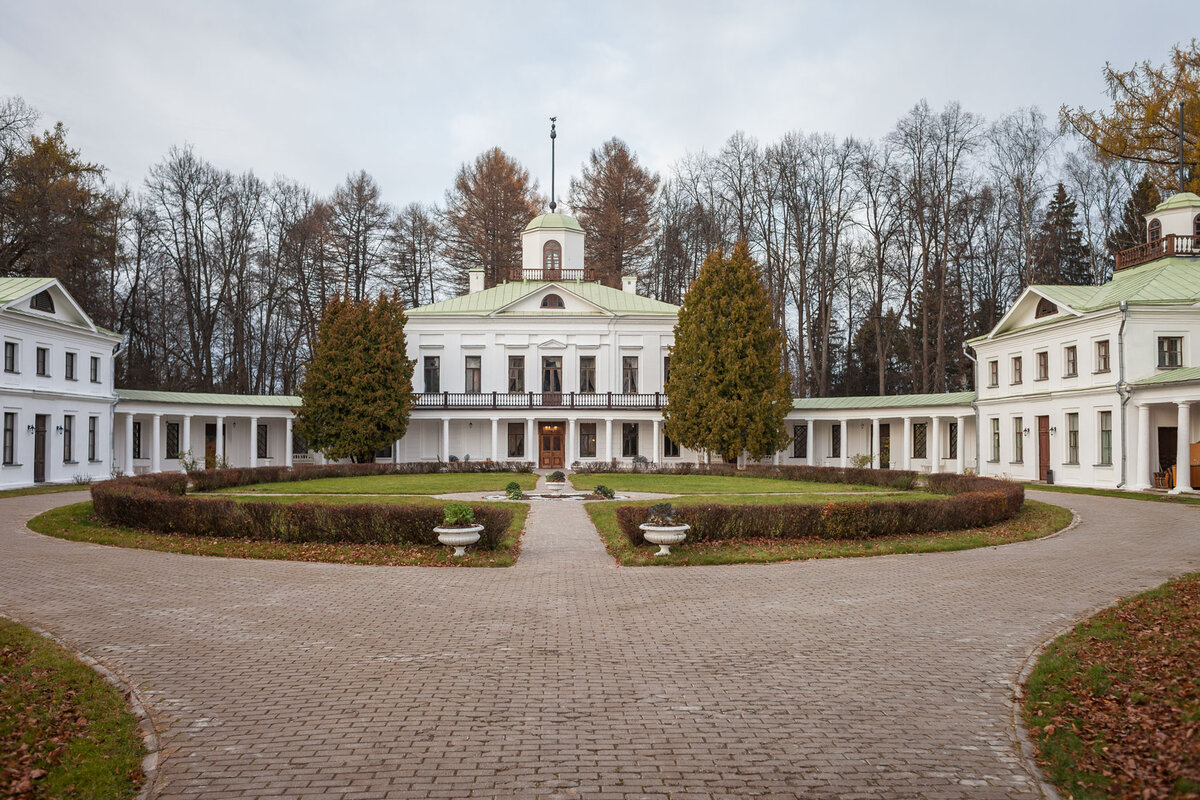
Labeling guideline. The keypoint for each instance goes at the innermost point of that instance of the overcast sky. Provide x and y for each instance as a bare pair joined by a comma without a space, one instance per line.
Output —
410,90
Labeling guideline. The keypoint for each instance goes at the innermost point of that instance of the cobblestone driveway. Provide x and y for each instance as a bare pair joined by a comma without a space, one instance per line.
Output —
567,677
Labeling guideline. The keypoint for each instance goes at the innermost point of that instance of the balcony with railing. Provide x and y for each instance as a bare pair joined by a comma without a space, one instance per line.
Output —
1169,245
519,273
503,401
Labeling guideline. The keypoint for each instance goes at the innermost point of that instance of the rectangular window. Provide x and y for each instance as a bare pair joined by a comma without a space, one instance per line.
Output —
137,440
629,439
1170,352
666,370
587,440
474,379
10,356
10,437
953,440
1043,365
1016,369
69,367
587,374
920,434
993,374
835,441
1106,438
800,441
552,374
261,442
385,452
93,424
670,448
1018,441
996,439
172,440
43,356
629,374
516,440
1102,355
433,373
95,369
1072,438
516,373
299,448
1070,361
69,439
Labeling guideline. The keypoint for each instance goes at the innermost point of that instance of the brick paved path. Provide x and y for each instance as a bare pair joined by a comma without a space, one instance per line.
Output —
876,677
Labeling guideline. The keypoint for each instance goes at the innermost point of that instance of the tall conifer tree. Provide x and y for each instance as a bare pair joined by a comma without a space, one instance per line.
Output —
357,390
1060,254
728,392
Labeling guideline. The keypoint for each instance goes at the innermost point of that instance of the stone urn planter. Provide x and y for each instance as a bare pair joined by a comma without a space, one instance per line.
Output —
664,536
556,481
459,538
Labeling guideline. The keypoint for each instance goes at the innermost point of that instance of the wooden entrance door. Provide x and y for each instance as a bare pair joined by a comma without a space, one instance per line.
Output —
210,445
40,421
551,453
1043,447
885,445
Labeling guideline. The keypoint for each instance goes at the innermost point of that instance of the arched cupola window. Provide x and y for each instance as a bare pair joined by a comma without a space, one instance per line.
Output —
552,301
1154,232
552,255
1196,226
1045,308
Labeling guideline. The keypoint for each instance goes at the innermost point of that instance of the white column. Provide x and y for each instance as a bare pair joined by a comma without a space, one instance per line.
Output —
185,438
961,466
495,439
608,439
654,447
220,455
129,444
445,439
845,442
935,445
253,441
876,448
531,443
1183,468
288,453
571,443
907,461
1142,478
156,444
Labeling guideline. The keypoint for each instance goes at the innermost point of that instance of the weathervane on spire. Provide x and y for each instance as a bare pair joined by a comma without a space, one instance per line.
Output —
553,136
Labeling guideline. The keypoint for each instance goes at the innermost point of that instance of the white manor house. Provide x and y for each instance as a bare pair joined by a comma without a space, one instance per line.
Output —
1083,385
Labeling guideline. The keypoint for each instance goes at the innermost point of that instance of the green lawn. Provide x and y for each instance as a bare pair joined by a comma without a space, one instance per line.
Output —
75,522
45,488
440,483
1033,522
707,484
64,731
1154,497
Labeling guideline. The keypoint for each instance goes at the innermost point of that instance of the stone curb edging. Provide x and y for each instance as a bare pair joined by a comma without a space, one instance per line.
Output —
146,727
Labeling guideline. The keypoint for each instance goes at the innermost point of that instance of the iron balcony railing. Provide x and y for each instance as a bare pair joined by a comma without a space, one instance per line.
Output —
524,400
531,274
1169,245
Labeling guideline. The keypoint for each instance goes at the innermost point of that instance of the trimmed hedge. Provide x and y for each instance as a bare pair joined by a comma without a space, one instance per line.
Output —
208,480
158,503
974,502
889,478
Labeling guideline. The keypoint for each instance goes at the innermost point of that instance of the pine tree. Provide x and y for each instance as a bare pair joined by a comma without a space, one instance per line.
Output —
728,392
1132,231
357,390
1059,252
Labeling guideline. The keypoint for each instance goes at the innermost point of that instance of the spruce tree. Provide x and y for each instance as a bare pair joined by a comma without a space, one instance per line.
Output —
1060,254
356,392
728,392
1132,230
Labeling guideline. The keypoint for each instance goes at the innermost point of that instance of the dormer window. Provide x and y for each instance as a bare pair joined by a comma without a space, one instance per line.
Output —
1045,308
42,301
552,255
1196,226
1154,232
552,301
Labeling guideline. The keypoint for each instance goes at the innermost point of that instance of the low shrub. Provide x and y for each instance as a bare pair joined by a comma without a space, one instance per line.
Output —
973,503
889,478
603,491
154,505
208,480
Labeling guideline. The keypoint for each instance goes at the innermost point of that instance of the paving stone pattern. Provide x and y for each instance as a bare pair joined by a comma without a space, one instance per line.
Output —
568,677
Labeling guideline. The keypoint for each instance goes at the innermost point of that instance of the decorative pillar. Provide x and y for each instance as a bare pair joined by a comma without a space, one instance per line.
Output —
445,440
935,445
531,443
220,455
1142,477
129,444
495,439
289,454
876,448
571,443
252,438
1183,468
654,448
185,439
845,442
961,466
608,439
156,444
907,461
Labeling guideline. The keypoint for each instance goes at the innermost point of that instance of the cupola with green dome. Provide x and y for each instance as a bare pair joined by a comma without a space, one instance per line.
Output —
552,248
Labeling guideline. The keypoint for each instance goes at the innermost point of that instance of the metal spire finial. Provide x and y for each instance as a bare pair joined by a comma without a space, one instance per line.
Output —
553,136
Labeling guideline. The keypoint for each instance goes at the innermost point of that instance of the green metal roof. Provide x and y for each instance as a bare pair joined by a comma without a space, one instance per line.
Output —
1185,375
209,398
491,300
888,401
1163,281
1180,200
15,288
554,221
